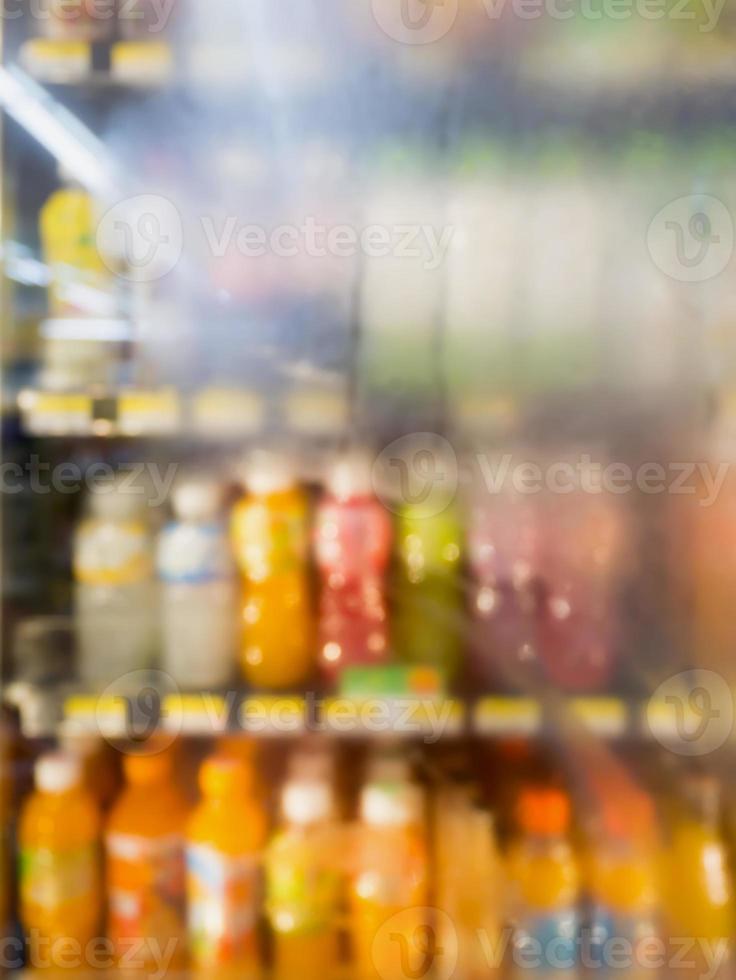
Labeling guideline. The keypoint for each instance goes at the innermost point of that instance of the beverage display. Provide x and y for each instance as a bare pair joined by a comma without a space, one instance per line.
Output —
59,867
144,845
270,538
545,882
305,867
198,589
353,548
115,593
389,878
428,621
225,835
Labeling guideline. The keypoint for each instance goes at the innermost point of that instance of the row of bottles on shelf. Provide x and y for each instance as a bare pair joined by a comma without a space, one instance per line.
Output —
543,579
224,885
518,324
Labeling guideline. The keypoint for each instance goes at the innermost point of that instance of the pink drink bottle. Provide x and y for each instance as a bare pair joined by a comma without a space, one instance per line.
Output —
353,547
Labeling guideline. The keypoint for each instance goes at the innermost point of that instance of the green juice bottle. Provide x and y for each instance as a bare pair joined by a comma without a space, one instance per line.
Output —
428,611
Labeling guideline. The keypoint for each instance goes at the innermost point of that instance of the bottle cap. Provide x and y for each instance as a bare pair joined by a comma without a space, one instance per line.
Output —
351,476
223,775
307,801
145,770
196,500
267,472
391,804
57,772
115,500
544,811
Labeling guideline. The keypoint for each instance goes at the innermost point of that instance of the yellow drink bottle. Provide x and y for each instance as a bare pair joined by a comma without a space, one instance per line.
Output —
59,868
390,932
304,882
144,843
699,891
225,838
270,536
68,238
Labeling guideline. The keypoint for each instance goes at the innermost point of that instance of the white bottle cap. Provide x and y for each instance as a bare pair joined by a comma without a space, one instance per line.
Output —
307,801
351,476
266,472
391,804
57,772
116,501
196,500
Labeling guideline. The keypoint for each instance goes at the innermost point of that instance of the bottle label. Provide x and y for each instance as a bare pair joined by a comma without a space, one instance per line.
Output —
269,541
303,890
51,879
112,554
194,554
146,892
223,901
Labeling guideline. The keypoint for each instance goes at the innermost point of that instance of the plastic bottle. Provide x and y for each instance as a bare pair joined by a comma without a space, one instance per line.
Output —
269,531
582,552
84,21
68,225
144,842
544,877
304,881
198,589
225,837
428,609
353,547
624,885
698,886
389,881
115,593
59,861
469,882
503,542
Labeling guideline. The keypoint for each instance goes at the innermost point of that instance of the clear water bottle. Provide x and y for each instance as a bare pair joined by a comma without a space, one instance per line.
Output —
198,589
115,594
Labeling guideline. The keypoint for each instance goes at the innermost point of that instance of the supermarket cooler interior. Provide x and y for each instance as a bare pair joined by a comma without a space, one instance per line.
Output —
366,613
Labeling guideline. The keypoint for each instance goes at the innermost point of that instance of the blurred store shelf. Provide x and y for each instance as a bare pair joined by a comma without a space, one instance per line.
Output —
128,412
134,64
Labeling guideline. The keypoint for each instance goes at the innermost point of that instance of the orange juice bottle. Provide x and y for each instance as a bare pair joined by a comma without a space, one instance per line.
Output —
270,536
388,891
144,842
59,869
225,837
304,882
699,896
